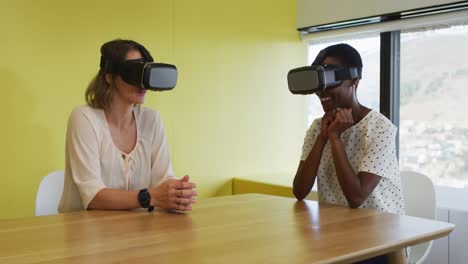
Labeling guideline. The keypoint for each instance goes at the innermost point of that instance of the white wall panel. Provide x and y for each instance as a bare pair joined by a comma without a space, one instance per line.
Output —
439,250
458,241
313,12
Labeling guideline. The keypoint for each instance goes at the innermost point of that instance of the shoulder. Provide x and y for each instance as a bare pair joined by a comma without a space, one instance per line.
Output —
314,129
85,113
86,118
86,122
380,122
316,125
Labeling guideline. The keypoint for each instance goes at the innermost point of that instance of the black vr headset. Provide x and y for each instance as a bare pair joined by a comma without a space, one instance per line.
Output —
148,75
144,72
316,78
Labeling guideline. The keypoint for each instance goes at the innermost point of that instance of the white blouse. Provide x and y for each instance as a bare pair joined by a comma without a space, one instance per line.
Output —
370,147
93,162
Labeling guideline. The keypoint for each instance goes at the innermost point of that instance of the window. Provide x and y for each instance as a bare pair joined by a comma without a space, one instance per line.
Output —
368,89
433,99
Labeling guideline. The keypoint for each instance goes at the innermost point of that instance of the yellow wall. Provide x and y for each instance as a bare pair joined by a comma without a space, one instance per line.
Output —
230,115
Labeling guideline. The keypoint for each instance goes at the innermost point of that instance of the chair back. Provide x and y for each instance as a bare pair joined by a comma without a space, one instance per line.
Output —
420,201
49,193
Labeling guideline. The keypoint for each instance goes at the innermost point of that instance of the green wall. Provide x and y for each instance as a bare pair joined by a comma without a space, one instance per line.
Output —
231,114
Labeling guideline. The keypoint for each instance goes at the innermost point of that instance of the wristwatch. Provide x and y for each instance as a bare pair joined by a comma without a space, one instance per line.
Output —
144,198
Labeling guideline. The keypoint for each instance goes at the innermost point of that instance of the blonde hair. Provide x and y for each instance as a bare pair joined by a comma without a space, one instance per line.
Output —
99,92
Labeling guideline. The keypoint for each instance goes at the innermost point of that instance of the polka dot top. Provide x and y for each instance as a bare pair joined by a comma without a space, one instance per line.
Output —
370,147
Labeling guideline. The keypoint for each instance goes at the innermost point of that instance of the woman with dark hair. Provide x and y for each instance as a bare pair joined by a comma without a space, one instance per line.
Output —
117,157
351,149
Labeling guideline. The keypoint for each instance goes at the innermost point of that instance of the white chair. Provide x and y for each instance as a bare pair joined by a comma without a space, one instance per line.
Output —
49,193
420,201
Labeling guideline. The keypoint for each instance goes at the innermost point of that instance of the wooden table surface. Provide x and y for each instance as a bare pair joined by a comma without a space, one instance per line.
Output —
249,228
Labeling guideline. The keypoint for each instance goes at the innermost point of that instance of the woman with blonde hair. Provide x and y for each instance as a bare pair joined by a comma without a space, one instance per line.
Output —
117,157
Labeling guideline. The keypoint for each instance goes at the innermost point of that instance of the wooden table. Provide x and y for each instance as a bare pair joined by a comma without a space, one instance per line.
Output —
249,228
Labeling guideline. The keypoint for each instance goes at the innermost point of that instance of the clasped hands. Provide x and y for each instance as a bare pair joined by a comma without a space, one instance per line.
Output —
174,194
335,122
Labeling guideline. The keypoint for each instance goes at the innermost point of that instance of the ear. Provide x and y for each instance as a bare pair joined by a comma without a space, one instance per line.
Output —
108,77
356,83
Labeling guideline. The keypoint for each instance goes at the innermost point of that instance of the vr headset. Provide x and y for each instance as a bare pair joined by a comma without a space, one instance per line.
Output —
148,75
316,78
144,72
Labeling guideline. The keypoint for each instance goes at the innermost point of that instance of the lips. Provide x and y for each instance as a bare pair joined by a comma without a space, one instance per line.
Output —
327,103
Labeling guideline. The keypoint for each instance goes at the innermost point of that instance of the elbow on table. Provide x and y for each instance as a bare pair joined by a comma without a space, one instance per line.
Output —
299,195
355,202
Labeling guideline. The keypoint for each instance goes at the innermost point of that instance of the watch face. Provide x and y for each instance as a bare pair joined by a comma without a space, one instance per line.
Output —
144,198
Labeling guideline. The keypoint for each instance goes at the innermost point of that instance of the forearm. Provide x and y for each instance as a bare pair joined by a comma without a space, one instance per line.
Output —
349,181
114,199
307,171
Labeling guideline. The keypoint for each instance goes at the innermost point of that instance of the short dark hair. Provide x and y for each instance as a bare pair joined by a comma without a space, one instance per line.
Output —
346,54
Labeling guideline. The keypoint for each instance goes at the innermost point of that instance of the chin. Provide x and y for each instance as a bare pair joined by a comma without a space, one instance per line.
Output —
139,100
327,109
